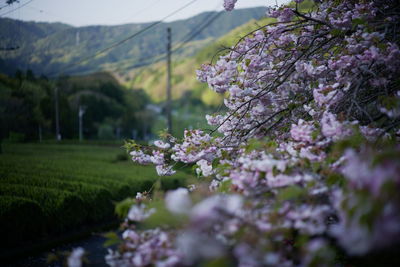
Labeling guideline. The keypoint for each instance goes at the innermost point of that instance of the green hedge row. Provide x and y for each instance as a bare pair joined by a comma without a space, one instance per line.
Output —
40,208
21,219
63,210
97,199
117,189
66,186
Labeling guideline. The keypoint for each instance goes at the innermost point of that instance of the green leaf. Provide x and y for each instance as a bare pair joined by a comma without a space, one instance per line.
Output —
215,163
253,144
220,262
316,166
301,241
358,21
162,217
291,192
122,208
272,144
112,239
335,179
292,106
163,134
315,134
131,145
355,141
275,171
225,186
336,32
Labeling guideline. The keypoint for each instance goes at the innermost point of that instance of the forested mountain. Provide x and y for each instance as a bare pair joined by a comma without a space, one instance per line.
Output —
47,48
152,78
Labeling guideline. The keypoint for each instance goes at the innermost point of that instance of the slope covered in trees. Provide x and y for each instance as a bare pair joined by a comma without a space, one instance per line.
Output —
49,47
152,78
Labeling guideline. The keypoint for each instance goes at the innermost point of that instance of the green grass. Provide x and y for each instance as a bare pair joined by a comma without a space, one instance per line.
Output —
66,185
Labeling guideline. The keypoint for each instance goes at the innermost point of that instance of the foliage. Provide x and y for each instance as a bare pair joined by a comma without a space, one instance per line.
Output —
22,219
48,189
28,107
153,78
50,47
191,99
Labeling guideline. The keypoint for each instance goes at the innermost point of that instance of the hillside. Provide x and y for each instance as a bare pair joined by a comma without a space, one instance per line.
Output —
49,47
153,78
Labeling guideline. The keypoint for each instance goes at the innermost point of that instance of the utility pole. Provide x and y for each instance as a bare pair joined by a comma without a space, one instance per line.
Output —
58,135
82,110
40,133
168,106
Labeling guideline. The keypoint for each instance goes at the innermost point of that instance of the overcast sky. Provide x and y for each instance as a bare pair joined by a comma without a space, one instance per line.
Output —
113,12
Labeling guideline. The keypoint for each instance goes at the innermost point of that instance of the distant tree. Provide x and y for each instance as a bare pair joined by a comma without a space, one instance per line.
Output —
30,76
135,117
18,74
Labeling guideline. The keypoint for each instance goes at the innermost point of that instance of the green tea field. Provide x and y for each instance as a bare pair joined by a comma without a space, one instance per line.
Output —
47,189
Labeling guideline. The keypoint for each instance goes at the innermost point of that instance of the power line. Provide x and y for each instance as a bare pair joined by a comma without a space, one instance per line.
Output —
143,9
8,3
196,33
187,38
40,10
20,6
1,7
17,32
124,40
205,23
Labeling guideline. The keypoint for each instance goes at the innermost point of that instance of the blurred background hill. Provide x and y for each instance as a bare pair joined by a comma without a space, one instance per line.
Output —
46,48
121,93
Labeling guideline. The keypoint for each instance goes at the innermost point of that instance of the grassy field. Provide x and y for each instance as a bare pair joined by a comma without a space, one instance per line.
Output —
47,189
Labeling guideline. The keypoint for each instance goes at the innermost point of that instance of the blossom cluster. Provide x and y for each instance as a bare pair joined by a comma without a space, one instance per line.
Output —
360,230
300,170
144,248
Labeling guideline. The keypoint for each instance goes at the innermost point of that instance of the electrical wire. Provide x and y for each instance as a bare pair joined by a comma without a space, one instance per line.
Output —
139,12
20,6
17,33
197,32
40,10
123,40
187,38
8,4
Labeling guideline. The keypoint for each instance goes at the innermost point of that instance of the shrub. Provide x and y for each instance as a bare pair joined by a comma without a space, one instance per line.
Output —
21,219
63,210
97,199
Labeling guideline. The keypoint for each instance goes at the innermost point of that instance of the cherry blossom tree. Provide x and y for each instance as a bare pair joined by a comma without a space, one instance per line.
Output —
303,168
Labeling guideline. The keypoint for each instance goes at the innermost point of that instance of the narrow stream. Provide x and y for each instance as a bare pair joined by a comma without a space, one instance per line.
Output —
93,246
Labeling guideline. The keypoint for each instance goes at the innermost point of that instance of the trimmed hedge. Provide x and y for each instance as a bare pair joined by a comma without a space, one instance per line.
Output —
21,219
67,186
63,210
118,189
97,199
